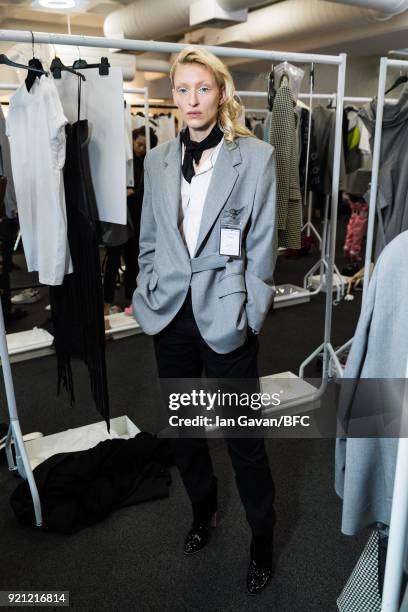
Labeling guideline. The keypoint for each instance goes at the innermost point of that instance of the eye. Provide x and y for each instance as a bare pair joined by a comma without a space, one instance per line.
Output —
204,90
182,90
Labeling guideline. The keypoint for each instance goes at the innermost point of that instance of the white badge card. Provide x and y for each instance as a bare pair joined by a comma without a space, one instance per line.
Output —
230,241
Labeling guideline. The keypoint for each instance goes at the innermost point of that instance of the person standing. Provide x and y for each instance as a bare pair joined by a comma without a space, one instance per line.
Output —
123,240
203,293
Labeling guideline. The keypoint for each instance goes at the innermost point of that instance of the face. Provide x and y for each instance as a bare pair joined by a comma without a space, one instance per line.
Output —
139,146
197,95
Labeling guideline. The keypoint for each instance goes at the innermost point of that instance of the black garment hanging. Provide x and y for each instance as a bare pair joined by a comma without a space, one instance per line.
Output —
194,150
77,304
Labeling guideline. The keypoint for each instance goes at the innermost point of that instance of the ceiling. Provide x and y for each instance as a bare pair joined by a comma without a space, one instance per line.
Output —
20,15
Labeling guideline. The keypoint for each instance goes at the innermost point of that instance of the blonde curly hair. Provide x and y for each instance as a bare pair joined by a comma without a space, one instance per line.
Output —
230,110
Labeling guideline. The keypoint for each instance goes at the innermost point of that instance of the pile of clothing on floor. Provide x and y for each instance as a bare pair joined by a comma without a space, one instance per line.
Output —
80,488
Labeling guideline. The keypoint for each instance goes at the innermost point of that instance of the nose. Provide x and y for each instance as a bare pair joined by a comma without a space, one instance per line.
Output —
193,98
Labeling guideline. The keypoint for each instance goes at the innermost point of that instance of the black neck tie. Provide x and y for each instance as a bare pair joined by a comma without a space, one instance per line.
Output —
194,150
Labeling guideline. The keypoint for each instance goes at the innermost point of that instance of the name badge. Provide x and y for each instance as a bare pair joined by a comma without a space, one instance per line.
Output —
230,241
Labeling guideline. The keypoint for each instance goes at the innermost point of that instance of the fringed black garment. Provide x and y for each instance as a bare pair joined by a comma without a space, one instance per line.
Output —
77,304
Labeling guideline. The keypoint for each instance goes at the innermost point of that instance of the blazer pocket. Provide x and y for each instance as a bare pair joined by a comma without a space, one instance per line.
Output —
153,280
233,283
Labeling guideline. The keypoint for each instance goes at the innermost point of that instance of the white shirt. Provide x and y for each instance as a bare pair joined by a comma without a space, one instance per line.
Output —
193,197
35,126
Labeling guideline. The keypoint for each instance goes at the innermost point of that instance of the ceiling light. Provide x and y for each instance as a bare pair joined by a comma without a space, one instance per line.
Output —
57,4
60,5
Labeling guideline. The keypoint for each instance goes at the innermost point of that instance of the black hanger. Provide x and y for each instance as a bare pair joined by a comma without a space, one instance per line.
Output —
36,67
403,78
271,89
8,62
57,67
103,66
34,63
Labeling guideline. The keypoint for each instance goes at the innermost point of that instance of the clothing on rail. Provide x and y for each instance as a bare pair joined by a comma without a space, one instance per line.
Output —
35,126
324,122
282,136
358,159
164,125
107,137
392,197
77,305
302,128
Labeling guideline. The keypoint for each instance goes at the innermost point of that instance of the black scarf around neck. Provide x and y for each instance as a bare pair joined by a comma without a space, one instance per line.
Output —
194,150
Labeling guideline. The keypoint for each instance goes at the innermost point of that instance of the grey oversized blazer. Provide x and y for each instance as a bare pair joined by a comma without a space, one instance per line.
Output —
228,294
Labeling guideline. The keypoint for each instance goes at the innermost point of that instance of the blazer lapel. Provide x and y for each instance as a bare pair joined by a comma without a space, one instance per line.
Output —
172,174
221,184
172,180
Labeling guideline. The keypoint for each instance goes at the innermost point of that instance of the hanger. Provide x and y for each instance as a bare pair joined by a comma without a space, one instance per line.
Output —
34,67
37,65
403,78
103,66
271,88
57,67
8,62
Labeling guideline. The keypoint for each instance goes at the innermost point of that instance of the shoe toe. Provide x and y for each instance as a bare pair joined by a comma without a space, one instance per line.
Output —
257,578
196,539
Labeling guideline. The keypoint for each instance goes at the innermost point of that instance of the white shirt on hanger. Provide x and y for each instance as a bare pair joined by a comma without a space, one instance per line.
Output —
35,126
193,198
102,106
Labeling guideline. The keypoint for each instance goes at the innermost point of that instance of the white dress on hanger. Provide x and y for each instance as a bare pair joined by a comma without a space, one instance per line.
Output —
35,125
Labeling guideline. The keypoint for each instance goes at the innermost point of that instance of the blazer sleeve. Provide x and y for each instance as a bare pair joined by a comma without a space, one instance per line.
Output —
261,245
148,230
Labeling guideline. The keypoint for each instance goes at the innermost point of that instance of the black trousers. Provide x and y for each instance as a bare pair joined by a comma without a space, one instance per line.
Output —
130,251
181,352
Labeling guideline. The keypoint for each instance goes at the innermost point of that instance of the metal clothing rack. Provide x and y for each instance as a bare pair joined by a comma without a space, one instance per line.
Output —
126,90
166,47
385,63
324,240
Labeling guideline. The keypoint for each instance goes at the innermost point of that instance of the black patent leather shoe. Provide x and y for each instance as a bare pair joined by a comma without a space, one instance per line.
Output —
258,577
198,537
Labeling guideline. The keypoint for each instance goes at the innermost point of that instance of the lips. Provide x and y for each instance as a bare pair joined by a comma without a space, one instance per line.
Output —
193,114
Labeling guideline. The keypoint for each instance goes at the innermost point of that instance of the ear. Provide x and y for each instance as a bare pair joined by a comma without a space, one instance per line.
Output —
223,96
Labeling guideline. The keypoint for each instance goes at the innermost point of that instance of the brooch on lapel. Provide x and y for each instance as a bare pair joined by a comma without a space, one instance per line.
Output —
233,212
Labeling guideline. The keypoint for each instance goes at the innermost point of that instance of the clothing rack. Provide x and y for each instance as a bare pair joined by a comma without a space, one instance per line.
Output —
385,63
371,219
322,263
338,61
126,90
